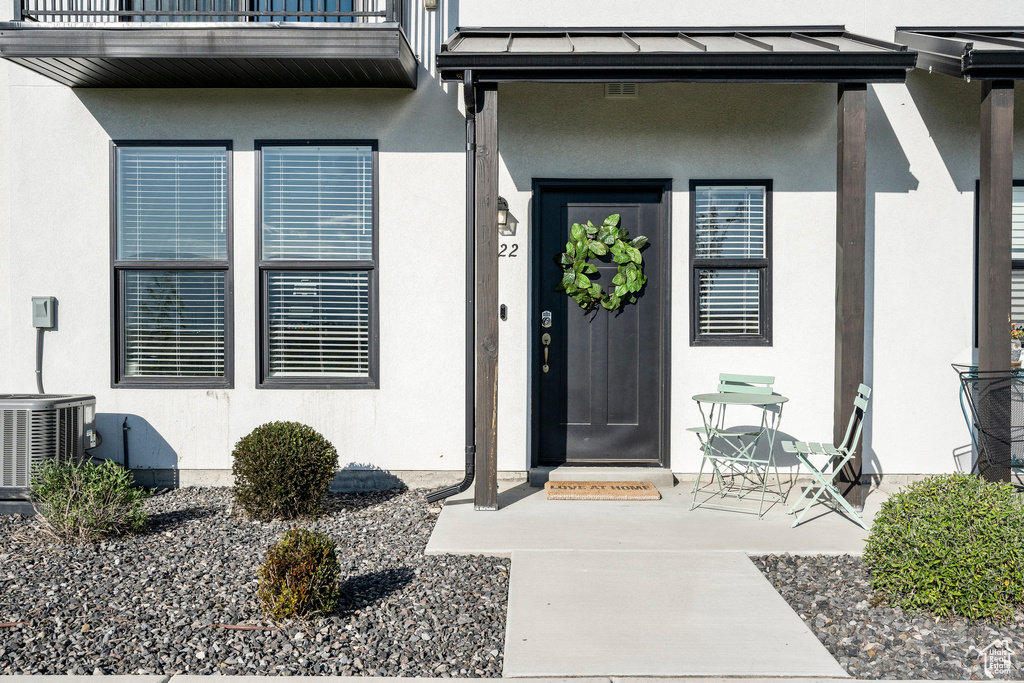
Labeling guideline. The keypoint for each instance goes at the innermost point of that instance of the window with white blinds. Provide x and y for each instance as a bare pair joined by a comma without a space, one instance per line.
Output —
317,265
730,222
173,323
729,301
317,203
319,323
731,243
171,268
171,203
1017,255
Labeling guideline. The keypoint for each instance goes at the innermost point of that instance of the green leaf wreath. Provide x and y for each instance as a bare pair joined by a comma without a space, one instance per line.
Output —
589,241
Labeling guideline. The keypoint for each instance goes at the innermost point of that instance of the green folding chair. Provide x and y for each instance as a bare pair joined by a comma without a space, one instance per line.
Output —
834,459
730,452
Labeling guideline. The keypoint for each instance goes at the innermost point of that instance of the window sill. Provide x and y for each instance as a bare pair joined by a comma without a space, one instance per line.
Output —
730,340
172,383
313,383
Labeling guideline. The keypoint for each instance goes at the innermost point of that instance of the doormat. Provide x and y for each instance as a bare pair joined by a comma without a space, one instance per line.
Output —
601,490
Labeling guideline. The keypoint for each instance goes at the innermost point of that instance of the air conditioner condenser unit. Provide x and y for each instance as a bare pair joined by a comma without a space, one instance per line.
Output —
38,427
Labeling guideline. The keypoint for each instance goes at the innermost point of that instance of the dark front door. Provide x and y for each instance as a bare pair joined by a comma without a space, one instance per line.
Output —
602,399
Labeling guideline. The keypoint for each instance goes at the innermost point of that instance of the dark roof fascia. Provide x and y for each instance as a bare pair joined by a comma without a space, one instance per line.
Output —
950,50
780,68
766,76
994,66
30,39
211,55
935,53
717,67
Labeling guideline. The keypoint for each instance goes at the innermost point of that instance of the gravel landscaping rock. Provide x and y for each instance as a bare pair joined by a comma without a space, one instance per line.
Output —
833,595
157,602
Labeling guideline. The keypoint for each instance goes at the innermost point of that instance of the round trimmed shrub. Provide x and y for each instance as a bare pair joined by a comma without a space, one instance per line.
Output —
282,470
951,544
87,501
299,576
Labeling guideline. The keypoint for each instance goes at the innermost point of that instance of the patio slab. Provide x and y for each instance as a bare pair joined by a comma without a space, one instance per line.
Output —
613,613
526,520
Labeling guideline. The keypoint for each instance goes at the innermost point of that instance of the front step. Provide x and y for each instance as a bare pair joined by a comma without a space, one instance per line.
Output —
659,476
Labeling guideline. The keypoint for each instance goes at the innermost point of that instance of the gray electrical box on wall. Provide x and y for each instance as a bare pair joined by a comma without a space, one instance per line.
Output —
43,311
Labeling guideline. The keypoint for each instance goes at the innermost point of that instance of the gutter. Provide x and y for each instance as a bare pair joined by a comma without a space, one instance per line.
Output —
469,95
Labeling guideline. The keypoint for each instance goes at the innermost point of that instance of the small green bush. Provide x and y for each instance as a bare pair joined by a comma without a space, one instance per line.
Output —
951,544
299,576
282,470
86,501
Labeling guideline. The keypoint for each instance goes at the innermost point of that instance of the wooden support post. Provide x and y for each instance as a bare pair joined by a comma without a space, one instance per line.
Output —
995,207
851,217
486,497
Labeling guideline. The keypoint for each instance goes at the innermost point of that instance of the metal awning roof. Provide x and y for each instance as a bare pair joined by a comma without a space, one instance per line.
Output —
169,55
732,54
980,53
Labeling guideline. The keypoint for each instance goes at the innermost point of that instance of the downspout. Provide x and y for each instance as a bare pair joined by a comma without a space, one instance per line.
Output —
124,443
469,95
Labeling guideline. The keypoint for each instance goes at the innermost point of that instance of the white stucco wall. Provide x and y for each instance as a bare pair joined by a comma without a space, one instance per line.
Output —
683,132
922,165
921,174
59,231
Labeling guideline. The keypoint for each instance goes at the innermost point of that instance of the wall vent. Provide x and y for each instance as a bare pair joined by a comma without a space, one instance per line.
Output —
621,91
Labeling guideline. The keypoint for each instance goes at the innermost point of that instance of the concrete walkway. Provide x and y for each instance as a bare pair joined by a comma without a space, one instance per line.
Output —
622,613
608,589
526,520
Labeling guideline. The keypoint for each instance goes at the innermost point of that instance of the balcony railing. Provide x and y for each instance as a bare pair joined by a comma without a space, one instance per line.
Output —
151,11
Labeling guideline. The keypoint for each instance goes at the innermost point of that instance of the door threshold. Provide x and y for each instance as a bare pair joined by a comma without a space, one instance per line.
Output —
659,476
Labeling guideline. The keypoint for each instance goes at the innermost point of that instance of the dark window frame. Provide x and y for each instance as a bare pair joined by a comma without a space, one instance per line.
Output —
1015,264
263,267
118,379
764,265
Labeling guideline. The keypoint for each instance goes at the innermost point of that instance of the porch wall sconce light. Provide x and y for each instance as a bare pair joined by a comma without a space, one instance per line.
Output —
430,4
506,221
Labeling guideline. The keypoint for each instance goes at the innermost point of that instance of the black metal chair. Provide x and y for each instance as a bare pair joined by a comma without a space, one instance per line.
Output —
996,401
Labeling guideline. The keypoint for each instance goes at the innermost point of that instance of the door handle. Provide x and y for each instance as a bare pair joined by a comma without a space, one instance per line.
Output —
546,341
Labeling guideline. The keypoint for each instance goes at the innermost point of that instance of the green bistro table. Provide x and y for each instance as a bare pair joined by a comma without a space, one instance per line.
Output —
735,467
